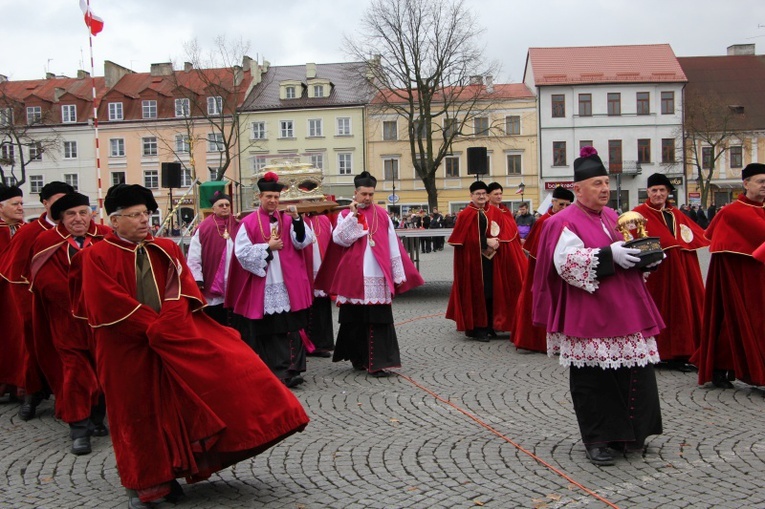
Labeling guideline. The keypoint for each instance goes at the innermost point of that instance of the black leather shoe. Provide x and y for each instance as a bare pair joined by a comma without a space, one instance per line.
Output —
380,374
176,492
81,446
293,381
320,353
720,380
100,430
134,502
599,455
482,337
28,408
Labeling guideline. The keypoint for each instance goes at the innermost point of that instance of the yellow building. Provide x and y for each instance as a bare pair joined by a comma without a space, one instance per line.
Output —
312,113
507,128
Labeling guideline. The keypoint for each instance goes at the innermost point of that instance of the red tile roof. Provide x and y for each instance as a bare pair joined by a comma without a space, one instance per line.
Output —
649,63
503,91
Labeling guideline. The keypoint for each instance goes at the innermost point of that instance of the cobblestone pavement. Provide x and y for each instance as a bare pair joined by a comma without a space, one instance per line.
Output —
467,424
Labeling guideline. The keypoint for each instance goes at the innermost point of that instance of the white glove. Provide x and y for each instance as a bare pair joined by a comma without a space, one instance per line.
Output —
623,255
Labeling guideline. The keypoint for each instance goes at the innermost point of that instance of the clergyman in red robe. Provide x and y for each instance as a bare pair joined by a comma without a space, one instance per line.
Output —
185,396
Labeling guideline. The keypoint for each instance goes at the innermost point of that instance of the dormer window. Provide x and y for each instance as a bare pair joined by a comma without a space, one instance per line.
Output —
318,90
289,92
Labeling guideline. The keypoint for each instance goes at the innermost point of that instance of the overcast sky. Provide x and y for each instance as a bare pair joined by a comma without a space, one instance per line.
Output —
40,36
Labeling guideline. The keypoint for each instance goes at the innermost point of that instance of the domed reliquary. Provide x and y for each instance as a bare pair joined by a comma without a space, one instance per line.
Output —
303,183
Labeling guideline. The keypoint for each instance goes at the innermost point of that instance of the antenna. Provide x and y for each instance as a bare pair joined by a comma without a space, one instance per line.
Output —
47,66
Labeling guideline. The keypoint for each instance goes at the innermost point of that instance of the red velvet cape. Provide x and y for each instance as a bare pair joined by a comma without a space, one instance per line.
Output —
676,286
185,395
13,355
734,314
527,335
466,301
62,342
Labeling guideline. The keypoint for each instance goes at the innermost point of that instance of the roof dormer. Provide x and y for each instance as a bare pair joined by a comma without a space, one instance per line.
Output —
291,89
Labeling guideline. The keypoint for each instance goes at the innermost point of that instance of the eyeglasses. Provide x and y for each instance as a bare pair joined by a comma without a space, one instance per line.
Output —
135,215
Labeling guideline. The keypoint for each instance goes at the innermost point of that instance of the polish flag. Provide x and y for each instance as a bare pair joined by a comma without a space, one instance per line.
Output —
93,22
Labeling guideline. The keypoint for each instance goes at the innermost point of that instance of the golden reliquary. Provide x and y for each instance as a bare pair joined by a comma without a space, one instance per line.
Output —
650,247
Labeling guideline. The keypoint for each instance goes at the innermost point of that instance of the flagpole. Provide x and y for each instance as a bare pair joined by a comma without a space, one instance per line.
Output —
88,20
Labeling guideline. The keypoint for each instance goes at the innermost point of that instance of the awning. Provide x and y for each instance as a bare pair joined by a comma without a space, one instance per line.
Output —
728,184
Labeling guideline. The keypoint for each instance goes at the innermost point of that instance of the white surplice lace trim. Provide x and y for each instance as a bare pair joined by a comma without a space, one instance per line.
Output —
375,292
276,299
580,268
253,258
397,269
348,231
616,352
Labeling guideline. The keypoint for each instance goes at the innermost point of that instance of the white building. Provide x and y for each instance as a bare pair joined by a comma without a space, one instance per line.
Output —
626,101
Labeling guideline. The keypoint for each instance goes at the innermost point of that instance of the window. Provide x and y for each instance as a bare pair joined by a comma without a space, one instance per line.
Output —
644,151
34,114
185,177
150,147
182,107
149,109
10,181
345,163
667,103
451,126
289,92
559,153
585,143
317,161
585,105
615,161
213,172
7,152
390,169
736,159
258,130
390,130
73,180
514,164
214,105
643,103
115,111
258,163
416,129
318,90
286,129
117,147
706,157
344,126
558,105
215,142
481,126
69,113
36,183
614,104
452,166
118,177
151,179
70,150
182,143
36,151
513,125
315,127
668,150
6,116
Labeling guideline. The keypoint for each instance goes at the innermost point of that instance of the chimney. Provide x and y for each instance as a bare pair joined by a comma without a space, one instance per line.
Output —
161,69
81,75
3,78
310,70
490,84
476,80
741,49
188,66
266,65
238,75
49,75
247,63
113,73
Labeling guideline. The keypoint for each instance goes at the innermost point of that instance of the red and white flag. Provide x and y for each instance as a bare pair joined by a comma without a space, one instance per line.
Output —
94,23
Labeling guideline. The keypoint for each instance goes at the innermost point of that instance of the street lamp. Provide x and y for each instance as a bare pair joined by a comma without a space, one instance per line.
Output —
521,189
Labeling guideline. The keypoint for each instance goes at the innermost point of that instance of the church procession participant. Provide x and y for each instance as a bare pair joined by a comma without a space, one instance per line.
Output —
13,357
676,286
599,318
734,316
13,267
210,252
179,386
526,335
510,259
62,339
479,302
365,267
268,289
320,330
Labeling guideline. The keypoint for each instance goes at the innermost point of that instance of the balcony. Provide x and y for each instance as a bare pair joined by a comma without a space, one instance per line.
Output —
631,168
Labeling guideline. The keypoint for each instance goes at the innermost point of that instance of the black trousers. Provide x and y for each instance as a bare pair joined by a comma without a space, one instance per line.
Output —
367,337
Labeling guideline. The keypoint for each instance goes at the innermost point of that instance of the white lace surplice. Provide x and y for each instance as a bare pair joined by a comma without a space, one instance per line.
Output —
577,266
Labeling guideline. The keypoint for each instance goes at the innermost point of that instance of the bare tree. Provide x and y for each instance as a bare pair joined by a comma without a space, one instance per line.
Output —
711,127
424,64
23,138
